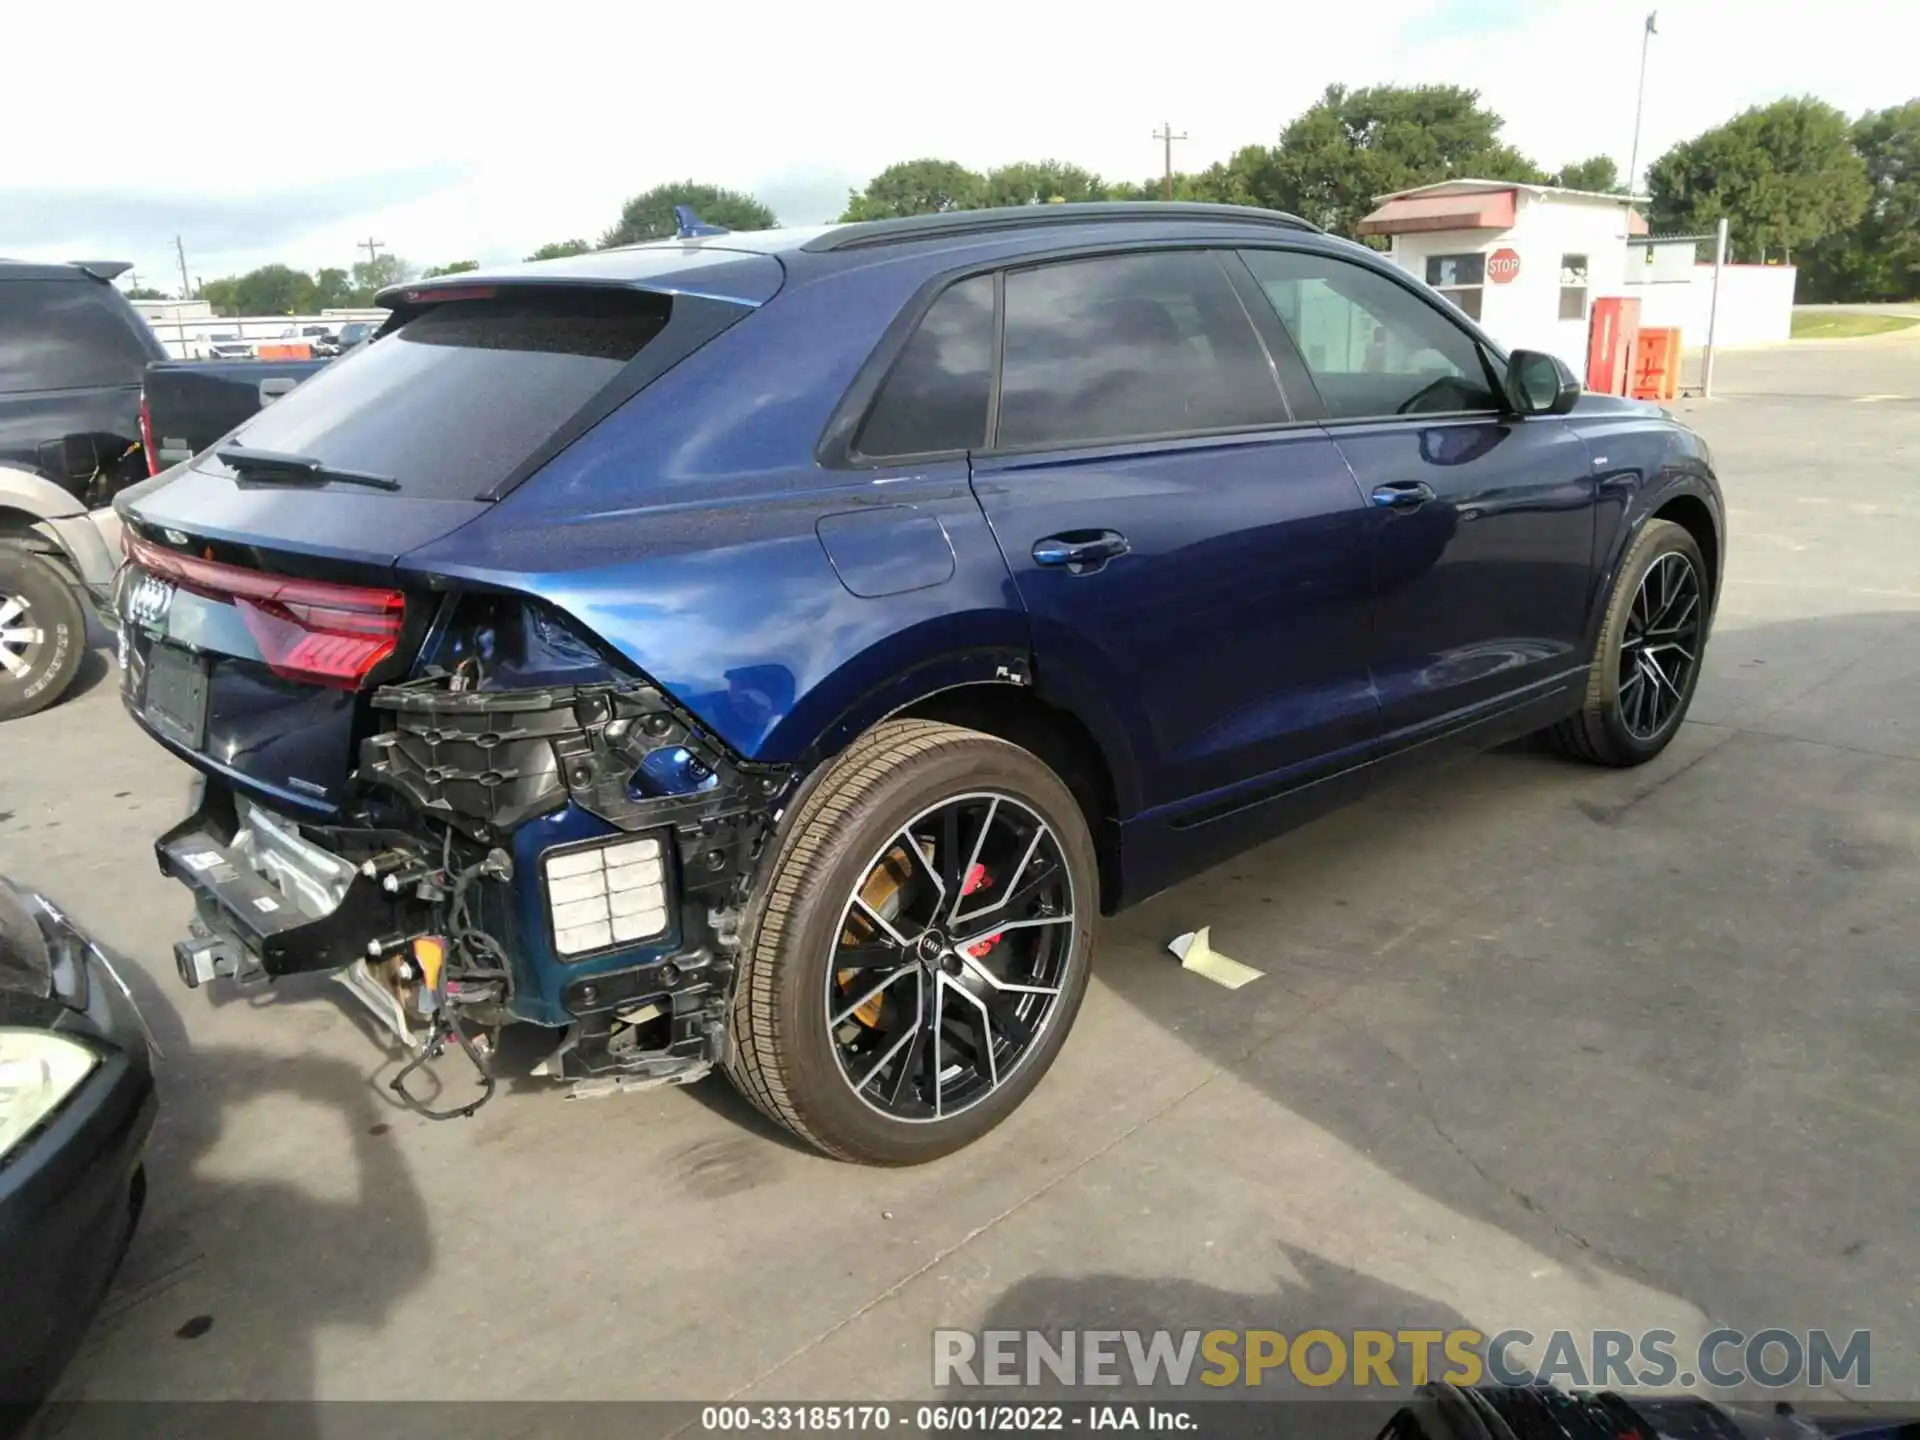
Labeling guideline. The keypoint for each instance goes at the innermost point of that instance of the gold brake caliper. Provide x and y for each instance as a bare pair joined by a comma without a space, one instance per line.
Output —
882,888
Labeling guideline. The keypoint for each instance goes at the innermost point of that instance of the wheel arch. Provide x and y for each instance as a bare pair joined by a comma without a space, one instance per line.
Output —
1063,742
22,532
1685,497
992,690
1692,514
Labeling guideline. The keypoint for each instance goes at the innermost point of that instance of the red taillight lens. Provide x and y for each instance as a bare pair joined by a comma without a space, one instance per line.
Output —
146,435
306,629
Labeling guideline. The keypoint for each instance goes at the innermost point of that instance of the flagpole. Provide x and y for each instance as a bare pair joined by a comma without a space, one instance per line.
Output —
1640,105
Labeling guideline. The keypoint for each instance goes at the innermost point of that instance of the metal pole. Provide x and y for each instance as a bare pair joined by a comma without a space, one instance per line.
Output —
1640,105
1165,134
1713,308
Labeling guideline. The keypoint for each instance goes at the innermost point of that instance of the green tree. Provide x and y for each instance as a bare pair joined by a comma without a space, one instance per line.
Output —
917,187
270,290
1212,184
1878,258
458,267
1352,146
372,276
1784,175
221,295
147,292
332,288
1040,182
1596,172
560,249
649,216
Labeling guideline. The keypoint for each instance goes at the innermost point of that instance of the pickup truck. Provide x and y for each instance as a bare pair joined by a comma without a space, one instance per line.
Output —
72,354
192,403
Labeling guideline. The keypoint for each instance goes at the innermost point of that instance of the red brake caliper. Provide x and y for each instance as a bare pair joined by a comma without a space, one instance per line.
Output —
978,879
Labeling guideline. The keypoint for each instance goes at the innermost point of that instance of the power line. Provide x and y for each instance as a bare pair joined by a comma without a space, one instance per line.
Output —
180,250
1167,137
372,247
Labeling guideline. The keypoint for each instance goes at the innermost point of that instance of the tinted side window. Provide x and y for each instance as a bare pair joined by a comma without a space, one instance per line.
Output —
1128,346
66,335
935,398
1372,346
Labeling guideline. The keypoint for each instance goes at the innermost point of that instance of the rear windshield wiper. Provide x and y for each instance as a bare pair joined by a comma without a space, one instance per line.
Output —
270,465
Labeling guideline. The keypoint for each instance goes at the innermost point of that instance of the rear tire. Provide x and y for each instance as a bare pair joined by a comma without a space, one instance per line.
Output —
1651,645
895,1004
43,634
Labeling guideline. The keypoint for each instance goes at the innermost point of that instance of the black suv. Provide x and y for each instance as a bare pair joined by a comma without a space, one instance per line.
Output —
73,354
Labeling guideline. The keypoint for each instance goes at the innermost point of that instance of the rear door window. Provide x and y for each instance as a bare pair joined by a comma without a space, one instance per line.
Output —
68,335
935,398
1127,347
452,402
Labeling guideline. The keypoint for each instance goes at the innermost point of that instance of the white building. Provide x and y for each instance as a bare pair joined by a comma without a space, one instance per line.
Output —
1529,261
1526,261
1755,304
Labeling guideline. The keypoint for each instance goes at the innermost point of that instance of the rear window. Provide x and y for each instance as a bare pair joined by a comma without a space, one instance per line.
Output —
68,335
455,399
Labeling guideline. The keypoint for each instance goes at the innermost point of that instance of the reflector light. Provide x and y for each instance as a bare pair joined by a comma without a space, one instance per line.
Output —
450,292
613,894
309,630
146,435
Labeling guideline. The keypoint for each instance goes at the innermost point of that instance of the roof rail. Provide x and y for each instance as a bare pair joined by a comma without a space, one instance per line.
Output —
863,233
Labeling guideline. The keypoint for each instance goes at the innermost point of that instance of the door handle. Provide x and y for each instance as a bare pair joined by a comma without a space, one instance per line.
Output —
1401,494
1081,551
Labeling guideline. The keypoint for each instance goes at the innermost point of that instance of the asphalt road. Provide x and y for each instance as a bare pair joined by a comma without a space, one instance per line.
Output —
1536,1046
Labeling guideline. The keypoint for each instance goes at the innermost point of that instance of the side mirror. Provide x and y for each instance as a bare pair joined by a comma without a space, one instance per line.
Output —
1540,384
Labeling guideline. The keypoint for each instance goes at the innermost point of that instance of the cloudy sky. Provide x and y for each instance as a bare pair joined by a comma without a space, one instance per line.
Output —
260,131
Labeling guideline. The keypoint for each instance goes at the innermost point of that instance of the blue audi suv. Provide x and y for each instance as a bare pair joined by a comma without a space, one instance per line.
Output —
775,651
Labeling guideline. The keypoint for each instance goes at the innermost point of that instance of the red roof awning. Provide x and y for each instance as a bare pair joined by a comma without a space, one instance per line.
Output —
1485,210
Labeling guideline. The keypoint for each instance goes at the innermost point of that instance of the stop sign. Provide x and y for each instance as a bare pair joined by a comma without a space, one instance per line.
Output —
1503,265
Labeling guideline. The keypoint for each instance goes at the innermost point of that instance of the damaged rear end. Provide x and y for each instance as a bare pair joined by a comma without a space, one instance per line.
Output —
449,796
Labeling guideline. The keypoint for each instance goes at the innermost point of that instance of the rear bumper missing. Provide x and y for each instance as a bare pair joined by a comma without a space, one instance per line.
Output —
525,778
245,922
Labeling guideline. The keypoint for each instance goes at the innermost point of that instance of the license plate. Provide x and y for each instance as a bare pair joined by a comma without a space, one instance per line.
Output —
176,700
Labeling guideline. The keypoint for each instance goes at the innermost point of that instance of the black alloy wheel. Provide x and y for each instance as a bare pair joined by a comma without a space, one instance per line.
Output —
916,945
1647,662
1660,648
951,954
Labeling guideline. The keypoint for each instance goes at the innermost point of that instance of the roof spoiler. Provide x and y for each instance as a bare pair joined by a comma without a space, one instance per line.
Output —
104,269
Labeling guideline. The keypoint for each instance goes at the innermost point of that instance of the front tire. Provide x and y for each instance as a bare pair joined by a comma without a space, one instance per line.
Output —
43,634
918,948
1651,645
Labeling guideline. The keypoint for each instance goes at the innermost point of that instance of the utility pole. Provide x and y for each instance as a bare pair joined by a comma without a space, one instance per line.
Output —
1713,307
186,290
1640,104
1166,136
372,247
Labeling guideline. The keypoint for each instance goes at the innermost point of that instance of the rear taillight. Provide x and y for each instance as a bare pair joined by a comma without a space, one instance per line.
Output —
146,435
306,629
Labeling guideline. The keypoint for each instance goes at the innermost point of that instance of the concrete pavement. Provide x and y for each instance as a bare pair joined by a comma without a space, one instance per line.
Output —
1537,1045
